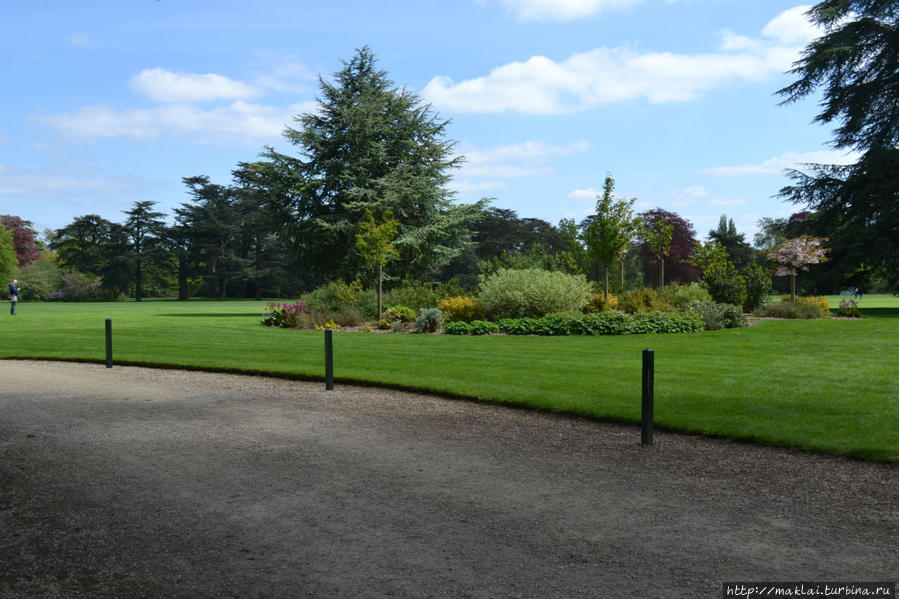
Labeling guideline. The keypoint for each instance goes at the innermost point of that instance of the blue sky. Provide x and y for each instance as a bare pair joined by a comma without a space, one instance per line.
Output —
105,103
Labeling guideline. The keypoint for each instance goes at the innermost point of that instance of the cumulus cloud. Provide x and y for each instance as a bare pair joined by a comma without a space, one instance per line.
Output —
541,85
561,10
238,122
63,181
789,160
587,194
161,85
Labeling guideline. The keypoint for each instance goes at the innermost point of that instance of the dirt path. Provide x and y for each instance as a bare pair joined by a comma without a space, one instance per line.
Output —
149,483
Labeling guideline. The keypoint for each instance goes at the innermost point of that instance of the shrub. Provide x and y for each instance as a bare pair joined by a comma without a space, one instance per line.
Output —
78,287
429,320
716,316
397,326
328,325
393,313
787,309
849,309
475,327
612,322
681,295
757,282
284,315
818,302
533,293
598,303
643,300
724,284
417,295
42,278
462,308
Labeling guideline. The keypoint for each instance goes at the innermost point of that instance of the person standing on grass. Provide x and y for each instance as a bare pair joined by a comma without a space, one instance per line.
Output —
13,296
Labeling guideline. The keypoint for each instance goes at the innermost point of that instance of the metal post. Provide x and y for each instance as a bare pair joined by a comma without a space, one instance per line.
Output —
648,392
109,343
329,361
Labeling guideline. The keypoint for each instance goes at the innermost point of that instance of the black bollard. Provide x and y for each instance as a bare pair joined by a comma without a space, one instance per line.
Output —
109,343
329,361
648,392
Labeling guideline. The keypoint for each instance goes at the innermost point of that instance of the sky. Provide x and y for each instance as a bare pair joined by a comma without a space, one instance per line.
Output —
106,103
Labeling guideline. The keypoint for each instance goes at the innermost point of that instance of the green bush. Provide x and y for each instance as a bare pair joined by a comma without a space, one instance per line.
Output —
757,282
429,320
716,316
643,300
475,327
599,303
393,313
787,309
724,283
417,295
38,279
533,293
397,326
680,295
612,322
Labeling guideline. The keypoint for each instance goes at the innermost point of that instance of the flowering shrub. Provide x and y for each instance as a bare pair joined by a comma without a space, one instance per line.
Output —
849,309
797,254
284,315
462,308
328,325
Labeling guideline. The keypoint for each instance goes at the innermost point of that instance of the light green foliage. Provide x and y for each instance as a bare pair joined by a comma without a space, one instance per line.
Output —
397,326
599,303
394,313
8,261
429,320
533,293
643,300
39,279
787,309
680,295
610,230
375,243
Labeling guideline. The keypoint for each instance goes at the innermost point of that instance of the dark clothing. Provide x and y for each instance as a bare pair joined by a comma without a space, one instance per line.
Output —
13,297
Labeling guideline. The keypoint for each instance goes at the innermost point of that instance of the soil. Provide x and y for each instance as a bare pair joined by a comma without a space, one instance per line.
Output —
131,482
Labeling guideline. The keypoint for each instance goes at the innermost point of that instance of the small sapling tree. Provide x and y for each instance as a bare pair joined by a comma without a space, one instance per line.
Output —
375,243
797,254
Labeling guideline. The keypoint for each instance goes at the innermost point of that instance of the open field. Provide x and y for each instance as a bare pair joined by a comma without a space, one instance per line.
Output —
827,386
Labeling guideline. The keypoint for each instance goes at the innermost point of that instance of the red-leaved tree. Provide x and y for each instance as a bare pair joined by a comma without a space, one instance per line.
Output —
683,239
23,239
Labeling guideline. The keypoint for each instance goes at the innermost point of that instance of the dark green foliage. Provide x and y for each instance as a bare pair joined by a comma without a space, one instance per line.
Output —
734,243
757,282
855,65
429,320
612,322
83,244
475,327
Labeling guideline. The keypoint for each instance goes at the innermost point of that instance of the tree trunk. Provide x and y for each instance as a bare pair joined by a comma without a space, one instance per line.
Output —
661,272
621,264
379,291
605,289
222,285
793,288
139,282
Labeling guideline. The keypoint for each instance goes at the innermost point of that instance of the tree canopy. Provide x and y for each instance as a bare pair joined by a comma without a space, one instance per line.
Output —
855,64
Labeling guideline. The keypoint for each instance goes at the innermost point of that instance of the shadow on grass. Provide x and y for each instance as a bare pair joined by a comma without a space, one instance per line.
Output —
212,315
880,312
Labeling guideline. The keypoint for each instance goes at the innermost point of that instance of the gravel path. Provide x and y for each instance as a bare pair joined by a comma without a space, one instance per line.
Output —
136,482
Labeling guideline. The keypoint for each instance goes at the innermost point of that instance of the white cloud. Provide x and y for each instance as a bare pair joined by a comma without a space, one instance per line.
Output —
788,160
527,159
727,201
161,85
63,181
239,122
561,10
587,194
586,80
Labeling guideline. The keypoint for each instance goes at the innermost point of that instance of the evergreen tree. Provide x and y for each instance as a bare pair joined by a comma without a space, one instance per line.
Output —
83,244
371,146
144,231
727,236
856,65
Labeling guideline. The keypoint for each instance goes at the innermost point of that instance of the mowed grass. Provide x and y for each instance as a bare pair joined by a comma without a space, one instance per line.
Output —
824,385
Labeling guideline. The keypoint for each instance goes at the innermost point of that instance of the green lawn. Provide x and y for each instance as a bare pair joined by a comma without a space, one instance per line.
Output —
825,385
